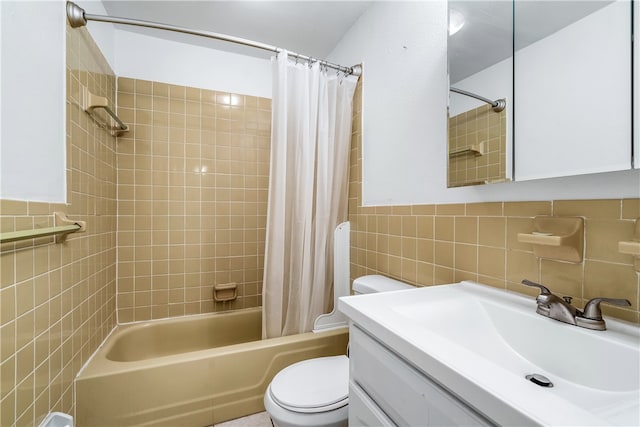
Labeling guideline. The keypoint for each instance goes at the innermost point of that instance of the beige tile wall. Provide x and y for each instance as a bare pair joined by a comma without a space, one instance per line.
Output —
192,198
480,125
57,301
437,244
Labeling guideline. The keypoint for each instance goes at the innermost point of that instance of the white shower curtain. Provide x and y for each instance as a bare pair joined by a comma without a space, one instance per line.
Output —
308,192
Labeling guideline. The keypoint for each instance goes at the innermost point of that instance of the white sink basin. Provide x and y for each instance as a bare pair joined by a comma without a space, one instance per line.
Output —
474,339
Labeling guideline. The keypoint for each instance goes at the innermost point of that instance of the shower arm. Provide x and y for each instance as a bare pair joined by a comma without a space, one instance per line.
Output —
497,105
77,17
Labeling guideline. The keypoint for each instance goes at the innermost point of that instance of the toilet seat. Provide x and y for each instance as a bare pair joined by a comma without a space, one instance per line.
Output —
312,386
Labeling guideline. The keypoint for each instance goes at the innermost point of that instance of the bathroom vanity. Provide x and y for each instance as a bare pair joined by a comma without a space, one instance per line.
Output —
385,390
463,354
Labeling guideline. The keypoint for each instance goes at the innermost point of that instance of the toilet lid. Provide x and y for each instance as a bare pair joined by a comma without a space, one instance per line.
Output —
315,385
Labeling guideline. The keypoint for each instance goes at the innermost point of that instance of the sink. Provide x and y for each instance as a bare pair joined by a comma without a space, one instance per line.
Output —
469,336
509,336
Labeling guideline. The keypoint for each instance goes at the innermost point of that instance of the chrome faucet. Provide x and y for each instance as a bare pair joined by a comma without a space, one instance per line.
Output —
557,308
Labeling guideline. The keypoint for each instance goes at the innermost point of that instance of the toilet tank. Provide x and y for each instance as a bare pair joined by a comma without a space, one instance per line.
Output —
377,283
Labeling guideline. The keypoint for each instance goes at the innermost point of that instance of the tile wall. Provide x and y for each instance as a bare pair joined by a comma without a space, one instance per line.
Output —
445,243
193,176
57,301
484,126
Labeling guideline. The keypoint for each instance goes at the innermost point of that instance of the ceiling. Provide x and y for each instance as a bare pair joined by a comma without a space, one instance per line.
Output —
310,28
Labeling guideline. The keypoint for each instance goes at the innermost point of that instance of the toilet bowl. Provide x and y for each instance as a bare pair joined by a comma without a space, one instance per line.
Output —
315,392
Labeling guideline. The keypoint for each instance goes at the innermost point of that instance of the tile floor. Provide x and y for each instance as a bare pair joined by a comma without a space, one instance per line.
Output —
260,419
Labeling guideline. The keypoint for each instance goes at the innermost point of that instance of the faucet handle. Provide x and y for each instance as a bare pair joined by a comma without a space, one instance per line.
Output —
592,308
543,289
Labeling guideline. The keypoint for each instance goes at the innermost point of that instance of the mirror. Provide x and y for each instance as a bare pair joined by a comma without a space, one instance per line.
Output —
480,111
572,84
564,68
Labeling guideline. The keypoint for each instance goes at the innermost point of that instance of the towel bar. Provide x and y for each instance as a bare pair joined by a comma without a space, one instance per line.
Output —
90,102
63,227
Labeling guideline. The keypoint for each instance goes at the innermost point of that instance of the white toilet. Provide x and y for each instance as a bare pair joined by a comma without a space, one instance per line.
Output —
315,392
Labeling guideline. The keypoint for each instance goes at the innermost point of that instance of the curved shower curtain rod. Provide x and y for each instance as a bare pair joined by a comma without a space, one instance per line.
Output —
78,18
498,105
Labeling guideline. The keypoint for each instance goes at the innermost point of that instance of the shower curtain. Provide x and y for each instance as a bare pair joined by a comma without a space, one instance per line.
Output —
308,192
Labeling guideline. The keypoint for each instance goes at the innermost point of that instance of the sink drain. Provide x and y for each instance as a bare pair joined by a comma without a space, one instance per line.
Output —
540,380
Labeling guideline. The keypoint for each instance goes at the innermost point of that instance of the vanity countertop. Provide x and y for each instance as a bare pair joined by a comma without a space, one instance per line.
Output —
480,343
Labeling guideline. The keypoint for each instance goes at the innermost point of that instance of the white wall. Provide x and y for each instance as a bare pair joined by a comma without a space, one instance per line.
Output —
636,90
136,55
404,98
102,33
32,141
149,58
1,102
404,116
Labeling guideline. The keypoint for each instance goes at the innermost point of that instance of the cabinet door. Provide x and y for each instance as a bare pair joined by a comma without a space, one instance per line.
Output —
572,88
404,394
363,411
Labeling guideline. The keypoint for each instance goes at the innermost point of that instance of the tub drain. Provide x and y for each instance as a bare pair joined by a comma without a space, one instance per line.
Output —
540,380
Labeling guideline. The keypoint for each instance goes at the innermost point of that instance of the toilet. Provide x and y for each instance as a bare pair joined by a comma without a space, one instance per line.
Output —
315,392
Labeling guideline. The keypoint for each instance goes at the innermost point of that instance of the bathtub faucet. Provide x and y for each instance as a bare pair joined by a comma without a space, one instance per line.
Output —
554,307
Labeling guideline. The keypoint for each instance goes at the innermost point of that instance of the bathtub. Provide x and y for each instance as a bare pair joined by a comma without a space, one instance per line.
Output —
190,371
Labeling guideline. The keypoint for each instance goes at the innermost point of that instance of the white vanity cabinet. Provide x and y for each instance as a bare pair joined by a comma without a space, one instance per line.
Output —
384,390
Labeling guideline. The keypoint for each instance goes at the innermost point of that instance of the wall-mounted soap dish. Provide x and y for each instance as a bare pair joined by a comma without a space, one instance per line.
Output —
225,292
632,247
475,149
559,238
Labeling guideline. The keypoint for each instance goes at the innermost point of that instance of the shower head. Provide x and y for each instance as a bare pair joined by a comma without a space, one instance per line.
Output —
75,15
